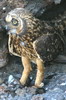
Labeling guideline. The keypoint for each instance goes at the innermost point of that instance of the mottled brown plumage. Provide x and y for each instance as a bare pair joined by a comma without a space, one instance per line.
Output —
32,40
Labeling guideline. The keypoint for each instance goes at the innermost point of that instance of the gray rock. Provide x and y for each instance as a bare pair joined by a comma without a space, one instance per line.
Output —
57,1
38,97
57,81
9,97
56,94
1,80
26,97
10,79
3,47
26,90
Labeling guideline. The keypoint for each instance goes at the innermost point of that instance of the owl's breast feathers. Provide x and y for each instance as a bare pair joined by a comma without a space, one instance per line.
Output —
39,41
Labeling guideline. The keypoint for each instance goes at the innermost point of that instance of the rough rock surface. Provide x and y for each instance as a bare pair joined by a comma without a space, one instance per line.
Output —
3,47
54,89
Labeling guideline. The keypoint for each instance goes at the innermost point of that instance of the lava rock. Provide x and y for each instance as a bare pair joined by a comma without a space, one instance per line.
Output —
58,81
56,94
1,80
26,97
10,79
3,47
57,1
37,7
26,90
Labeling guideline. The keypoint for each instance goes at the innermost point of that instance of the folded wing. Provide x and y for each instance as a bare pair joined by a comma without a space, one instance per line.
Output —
48,46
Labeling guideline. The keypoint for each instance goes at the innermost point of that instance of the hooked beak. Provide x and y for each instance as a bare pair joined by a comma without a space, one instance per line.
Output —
6,27
13,32
10,31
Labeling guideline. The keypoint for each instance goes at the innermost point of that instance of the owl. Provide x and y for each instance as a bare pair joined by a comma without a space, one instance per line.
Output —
34,41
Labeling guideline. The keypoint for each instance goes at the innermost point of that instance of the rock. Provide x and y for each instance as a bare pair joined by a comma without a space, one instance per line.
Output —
3,41
33,6
57,1
38,97
26,97
4,85
58,81
37,7
56,94
2,88
26,91
3,47
1,80
10,97
10,79
40,91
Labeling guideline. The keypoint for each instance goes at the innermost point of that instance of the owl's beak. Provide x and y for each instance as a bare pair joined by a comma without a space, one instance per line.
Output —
10,31
7,27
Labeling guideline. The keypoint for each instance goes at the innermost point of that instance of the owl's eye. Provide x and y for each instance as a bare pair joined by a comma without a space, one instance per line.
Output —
14,22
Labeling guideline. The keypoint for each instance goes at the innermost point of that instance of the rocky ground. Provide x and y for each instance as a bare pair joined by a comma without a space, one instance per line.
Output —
11,89
55,73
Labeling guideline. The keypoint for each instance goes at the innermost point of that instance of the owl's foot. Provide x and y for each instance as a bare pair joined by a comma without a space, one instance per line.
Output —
39,85
25,83
22,82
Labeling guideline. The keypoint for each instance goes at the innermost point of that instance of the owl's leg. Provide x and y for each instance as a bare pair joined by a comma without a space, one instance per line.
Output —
40,73
26,71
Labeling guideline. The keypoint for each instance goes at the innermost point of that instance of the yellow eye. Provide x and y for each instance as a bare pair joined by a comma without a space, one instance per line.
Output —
14,21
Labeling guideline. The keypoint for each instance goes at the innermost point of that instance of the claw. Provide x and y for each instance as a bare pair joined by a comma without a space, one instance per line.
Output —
40,85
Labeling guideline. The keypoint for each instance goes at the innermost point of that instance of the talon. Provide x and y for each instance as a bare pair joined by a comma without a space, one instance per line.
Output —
22,82
40,85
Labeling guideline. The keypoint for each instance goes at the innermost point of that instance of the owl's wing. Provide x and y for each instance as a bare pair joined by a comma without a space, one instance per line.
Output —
48,46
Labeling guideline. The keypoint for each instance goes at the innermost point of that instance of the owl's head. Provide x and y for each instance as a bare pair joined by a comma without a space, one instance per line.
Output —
16,23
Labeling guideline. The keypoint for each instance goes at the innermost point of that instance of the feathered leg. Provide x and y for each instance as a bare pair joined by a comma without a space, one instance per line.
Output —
40,73
26,71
